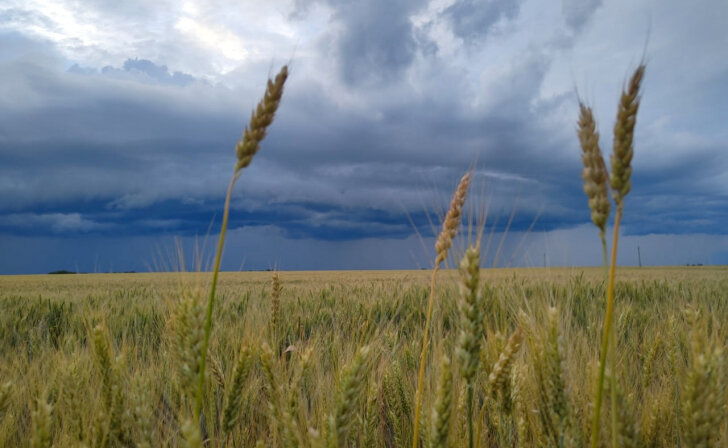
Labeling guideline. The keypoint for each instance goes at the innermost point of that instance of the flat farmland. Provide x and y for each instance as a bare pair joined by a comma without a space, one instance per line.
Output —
109,359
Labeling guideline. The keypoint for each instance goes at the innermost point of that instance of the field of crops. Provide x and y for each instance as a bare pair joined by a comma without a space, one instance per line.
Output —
331,359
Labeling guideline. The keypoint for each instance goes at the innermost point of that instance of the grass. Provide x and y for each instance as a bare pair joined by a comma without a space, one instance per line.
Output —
341,359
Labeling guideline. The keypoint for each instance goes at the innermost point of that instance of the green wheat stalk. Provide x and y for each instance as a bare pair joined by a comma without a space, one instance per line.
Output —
246,149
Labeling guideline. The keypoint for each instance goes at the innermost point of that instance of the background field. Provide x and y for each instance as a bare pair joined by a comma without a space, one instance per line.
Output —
670,324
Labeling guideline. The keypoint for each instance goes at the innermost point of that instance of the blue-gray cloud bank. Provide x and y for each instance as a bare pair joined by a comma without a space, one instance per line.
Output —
108,151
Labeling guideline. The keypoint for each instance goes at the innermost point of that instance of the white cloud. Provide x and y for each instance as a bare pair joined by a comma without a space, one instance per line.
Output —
214,38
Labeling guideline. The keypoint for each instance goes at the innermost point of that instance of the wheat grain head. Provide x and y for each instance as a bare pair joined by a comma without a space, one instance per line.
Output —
260,119
443,406
595,170
452,220
471,314
350,394
623,148
502,369
233,400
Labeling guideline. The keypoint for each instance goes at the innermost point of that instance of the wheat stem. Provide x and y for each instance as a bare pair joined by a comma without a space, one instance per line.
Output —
246,149
211,302
607,329
423,357
442,246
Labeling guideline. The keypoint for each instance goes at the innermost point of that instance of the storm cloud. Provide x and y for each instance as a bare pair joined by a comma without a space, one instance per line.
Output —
118,124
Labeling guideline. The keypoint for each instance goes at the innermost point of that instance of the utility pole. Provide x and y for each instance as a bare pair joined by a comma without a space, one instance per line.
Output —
639,256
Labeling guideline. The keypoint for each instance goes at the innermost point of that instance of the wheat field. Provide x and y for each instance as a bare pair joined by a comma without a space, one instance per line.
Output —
54,330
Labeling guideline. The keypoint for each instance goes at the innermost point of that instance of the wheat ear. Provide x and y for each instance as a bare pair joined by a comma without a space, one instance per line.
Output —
702,407
623,148
595,174
275,304
187,324
471,322
452,220
112,391
621,172
143,412
246,148
351,391
502,369
282,419
443,406
442,247
42,420
260,119
231,412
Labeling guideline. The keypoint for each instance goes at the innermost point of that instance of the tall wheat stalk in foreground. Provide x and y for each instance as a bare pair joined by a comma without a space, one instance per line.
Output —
246,149
596,187
442,247
619,180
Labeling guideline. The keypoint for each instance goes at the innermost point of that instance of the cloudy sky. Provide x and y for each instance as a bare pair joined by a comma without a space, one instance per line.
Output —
118,122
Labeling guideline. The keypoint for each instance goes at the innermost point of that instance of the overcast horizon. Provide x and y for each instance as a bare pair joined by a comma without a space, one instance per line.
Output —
118,123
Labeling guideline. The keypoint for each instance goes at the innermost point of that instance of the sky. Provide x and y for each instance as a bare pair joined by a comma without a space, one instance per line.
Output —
118,123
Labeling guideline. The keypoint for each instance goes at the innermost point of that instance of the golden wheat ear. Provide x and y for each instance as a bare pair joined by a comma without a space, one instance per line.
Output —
452,220
595,170
623,148
260,119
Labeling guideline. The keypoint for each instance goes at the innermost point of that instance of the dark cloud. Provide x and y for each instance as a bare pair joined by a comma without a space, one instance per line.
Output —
123,157
472,20
91,157
371,46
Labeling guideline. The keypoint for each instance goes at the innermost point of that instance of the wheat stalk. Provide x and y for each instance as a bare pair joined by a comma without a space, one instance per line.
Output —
596,187
442,246
621,172
245,149
191,436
